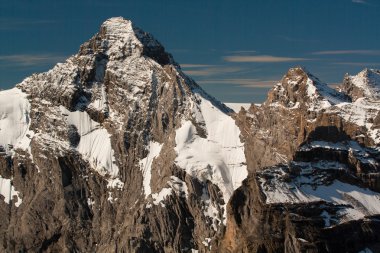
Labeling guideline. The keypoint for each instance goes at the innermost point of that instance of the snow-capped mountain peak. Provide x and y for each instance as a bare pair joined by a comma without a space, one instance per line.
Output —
365,84
301,88
119,37
122,103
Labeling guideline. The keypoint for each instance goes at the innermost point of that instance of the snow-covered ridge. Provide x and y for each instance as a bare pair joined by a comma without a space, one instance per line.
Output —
300,88
368,81
321,94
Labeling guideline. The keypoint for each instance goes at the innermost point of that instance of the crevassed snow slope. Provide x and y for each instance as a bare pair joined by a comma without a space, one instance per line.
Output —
219,157
14,118
95,142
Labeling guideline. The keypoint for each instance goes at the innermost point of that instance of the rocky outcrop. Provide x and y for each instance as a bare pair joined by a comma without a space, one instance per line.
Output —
365,84
312,163
301,108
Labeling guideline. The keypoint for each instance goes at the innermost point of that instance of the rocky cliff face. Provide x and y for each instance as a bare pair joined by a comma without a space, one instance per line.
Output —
116,150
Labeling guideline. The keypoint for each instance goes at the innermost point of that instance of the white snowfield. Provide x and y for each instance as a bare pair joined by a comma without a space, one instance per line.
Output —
94,145
355,202
220,156
14,133
14,119
313,185
95,142
146,165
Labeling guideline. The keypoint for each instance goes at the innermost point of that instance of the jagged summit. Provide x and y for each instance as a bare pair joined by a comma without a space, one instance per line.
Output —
299,87
365,84
120,56
119,38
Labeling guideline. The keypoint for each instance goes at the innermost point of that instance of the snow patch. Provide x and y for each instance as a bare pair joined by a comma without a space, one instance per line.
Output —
8,191
159,197
146,165
321,95
14,120
100,103
115,183
210,210
178,186
206,242
95,144
220,156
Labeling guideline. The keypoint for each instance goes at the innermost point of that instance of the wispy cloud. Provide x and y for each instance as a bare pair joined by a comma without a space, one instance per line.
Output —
31,59
348,52
291,39
212,70
360,1
362,64
190,65
243,52
250,83
261,58
17,24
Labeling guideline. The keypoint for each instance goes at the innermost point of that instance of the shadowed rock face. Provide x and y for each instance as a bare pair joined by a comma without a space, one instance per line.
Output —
116,150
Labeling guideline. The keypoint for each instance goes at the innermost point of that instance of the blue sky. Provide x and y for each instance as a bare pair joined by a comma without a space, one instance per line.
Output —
236,49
